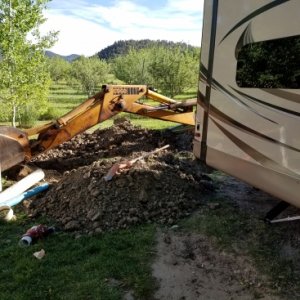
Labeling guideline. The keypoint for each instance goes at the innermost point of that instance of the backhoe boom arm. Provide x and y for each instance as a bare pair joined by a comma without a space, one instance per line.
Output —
111,100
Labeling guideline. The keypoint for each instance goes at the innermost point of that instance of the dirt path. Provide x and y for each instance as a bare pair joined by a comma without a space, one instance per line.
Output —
190,266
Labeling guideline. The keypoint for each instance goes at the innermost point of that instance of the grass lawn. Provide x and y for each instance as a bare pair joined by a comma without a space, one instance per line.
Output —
89,267
63,98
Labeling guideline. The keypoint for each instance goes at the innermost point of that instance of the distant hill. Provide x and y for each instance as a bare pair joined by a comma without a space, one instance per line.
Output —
122,47
69,58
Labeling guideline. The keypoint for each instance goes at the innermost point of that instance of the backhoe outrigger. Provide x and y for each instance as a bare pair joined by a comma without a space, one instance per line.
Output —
16,146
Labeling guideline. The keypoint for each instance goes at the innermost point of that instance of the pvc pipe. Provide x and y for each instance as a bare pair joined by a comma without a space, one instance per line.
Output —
22,185
28,194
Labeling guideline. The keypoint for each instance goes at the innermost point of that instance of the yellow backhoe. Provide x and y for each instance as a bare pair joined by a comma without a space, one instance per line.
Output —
16,146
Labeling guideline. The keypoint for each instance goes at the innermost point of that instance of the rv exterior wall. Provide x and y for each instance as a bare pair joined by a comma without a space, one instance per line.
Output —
250,133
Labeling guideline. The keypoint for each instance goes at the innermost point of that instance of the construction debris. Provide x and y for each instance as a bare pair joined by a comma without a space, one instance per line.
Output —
8,213
35,233
39,254
21,186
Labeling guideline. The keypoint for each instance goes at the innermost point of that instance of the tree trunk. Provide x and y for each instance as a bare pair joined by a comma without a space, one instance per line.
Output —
14,114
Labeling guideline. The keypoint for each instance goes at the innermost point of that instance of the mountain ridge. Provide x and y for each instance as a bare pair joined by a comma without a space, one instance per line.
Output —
122,47
68,58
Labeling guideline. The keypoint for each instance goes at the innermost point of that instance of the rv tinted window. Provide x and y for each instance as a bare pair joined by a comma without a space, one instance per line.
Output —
270,64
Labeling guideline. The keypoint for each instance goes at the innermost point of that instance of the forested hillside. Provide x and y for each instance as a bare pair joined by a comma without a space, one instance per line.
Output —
122,47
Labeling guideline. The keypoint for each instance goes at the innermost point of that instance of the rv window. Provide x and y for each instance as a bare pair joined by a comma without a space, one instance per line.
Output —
270,64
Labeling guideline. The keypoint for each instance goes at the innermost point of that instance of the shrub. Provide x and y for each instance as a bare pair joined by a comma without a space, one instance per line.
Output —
50,114
28,117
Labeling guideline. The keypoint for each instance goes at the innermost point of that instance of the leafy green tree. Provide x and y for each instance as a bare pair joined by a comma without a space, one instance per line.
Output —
33,93
89,73
59,68
132,68
24,79
174,70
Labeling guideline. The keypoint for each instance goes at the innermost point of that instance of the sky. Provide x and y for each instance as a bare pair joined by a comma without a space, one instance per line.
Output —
88,26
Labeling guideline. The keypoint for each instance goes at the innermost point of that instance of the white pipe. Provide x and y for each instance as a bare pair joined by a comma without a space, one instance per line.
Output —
22,185
30,193
288,219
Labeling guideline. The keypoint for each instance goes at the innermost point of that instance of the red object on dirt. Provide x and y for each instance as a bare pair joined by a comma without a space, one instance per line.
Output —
35,233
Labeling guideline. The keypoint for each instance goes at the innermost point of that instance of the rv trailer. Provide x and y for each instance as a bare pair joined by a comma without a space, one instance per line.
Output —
249,131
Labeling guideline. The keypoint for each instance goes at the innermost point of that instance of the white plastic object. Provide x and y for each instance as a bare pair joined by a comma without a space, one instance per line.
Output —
25,241
22,185
39,254
10,213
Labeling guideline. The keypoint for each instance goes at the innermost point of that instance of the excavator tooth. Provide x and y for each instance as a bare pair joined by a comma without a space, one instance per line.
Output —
14,147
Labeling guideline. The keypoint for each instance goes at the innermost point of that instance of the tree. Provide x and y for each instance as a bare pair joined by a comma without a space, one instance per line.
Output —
59,68
173,70
89,73
24,78
132,68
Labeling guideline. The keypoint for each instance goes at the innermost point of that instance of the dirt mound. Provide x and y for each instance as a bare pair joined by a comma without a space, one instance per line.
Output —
122,139
166,187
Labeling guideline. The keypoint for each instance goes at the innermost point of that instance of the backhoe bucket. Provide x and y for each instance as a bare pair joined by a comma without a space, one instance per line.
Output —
14,147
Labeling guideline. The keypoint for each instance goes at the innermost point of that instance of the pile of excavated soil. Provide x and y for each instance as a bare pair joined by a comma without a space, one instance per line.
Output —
162,188
122,139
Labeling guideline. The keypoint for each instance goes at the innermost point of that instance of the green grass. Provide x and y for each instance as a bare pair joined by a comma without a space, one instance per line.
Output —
64,97
5,182
192,93
81,268
144,123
